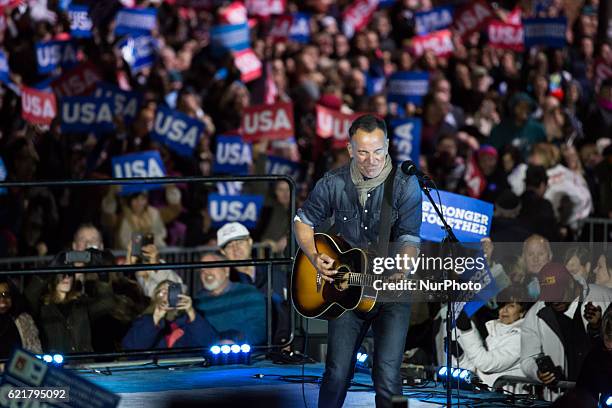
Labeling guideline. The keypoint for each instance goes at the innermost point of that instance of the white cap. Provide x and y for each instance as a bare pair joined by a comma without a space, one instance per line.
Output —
230,232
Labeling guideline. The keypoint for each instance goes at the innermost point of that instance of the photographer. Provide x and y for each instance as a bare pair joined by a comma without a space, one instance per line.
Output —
169,321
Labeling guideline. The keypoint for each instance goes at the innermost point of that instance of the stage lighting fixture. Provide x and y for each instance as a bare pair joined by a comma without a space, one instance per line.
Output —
235,348
47,358
215,350
245,348
609,401
229,354
58,359
459,377
442,371
362,357
225,349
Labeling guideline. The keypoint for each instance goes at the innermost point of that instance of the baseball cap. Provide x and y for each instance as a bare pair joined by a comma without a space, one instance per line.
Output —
231,232
554,280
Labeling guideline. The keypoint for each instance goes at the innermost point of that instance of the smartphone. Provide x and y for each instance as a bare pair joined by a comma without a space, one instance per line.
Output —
137,244
78,256
545,364
174,289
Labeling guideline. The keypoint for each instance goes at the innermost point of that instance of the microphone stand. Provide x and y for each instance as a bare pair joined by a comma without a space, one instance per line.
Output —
450,238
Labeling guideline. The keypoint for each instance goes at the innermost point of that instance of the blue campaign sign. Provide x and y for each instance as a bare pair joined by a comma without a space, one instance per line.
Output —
280,166
135,21
2,175
386,3
176,130
433,20
406,139
138,165
300,28
469,218
229,188
138,51
408,86
125,103
53,54
4,68
86,114
375,84
80,23
229,37
549,32
232,156
24,371
244,209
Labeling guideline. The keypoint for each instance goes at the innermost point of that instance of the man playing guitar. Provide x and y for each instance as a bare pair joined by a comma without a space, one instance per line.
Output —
353,195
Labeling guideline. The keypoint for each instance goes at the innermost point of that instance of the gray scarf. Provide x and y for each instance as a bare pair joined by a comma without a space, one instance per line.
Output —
364,185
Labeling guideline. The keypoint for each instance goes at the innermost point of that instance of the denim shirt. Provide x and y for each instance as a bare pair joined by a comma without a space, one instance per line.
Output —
335,195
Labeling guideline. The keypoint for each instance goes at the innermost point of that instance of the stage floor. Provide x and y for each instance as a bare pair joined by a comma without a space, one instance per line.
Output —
240,386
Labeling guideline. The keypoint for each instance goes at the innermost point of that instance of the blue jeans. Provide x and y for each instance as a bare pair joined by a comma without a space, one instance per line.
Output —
389,323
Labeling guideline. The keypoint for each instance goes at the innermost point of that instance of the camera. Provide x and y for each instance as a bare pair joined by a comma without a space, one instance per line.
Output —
140,240
174,290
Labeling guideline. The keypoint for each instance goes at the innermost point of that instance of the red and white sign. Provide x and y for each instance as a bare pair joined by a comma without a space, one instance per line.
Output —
37,107
271,122
81,80
234,13
472,17
357,16
265,8
334,124
514,17
248,64
281,27
506,36
440,42
474,179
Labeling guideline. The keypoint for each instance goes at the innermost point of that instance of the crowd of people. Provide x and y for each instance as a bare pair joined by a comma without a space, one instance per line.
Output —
528,131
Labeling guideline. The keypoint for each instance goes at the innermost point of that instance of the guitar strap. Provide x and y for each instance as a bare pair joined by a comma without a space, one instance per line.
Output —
384,232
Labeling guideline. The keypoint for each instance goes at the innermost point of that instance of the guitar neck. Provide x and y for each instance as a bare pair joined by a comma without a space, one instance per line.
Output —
362,279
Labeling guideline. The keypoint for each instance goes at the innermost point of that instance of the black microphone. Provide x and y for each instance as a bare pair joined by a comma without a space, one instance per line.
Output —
410,169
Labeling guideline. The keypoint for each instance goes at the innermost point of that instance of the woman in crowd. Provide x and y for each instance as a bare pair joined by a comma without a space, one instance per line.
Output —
17,328
500,353
162,326
603,274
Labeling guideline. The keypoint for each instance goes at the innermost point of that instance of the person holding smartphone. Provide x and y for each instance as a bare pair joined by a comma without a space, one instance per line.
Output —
170,321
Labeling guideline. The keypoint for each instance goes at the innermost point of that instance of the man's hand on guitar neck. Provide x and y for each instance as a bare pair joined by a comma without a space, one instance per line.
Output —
324,265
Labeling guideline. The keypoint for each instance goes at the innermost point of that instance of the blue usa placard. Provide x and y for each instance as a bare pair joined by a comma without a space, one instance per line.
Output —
433,20
135,21
300,28
233,156
4,68
282,167
406,139
549,32
86,114
138,165
229,188
177,131
125,103
2,175
408,86
53,54
80,23
24,371
229,37
138,51
469,218
244,209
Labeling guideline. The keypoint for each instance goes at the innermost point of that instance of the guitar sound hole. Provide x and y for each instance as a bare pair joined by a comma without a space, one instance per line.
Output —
341,278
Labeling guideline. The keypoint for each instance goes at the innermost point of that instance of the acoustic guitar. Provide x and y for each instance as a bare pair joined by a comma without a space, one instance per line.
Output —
352,289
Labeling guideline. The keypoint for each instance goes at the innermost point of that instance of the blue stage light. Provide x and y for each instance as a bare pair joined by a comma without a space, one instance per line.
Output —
465,375
245,348
442,371
47,358
362,358
215,350
235,348
456,372
58,358
609,401
225,349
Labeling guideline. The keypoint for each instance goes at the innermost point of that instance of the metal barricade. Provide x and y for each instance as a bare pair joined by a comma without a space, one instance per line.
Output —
180,259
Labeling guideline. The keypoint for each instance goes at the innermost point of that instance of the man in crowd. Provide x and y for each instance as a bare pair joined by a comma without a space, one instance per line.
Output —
236,310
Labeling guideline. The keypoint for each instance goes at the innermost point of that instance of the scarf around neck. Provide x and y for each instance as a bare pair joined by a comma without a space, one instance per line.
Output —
364,185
